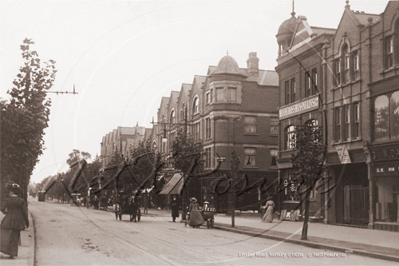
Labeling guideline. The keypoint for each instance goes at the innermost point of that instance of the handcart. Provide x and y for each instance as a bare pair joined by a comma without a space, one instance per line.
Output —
127,206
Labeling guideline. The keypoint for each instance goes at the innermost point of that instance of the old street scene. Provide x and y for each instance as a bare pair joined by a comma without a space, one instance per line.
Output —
200,133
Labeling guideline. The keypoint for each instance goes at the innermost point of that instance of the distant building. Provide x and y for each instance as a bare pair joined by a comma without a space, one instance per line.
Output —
122,140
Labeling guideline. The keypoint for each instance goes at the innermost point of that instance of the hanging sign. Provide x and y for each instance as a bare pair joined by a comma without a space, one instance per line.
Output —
343,154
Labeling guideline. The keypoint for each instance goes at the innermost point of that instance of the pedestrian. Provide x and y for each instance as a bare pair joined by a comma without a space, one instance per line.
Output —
96,202
196,219
175,209
15,220
145,202
268,208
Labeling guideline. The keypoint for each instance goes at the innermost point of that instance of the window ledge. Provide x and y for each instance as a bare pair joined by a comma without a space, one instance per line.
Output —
386,70
251,134
346,84
208,139
250,167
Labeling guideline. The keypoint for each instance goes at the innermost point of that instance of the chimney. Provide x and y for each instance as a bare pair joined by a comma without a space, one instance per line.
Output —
253,65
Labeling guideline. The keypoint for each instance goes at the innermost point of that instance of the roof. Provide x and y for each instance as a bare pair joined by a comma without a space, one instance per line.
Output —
227,65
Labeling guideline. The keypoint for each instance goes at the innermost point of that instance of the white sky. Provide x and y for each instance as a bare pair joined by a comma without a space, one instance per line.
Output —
123,56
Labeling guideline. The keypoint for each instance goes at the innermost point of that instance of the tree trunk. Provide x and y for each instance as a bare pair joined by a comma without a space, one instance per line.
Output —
184,203
306,220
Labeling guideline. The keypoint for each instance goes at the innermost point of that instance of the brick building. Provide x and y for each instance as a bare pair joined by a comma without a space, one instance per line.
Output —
353,74
229,109
122,140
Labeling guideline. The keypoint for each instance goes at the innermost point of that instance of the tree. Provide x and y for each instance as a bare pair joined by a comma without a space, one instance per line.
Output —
76,156
24,118
188,157
308,162
233,174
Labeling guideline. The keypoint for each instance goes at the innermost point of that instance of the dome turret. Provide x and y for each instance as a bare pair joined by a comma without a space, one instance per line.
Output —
227,65
286,30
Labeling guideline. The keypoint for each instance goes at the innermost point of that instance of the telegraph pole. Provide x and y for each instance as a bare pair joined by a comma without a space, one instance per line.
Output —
184,198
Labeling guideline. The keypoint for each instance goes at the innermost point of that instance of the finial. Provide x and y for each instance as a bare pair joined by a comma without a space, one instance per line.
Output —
227,51
293,9
347,4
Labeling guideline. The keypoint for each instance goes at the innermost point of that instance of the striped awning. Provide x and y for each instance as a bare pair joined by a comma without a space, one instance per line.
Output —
174,186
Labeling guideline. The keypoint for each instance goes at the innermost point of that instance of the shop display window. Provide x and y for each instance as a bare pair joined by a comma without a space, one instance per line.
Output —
387,207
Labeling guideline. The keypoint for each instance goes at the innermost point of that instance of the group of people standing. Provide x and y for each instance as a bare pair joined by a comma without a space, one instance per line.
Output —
195,219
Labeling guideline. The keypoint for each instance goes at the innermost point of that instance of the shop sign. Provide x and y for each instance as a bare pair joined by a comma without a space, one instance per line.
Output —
343,154
307,105
383,154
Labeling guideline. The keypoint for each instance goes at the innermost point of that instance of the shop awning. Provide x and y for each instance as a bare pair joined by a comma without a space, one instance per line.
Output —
174,186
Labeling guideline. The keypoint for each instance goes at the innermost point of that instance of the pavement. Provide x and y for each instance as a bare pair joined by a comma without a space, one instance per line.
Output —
365,242
26,249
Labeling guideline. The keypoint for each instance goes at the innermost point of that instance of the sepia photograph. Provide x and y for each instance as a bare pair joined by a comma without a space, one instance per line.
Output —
199,132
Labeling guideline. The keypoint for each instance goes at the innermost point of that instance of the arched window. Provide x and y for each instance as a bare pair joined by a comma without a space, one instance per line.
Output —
289,137
195,105
394,114
345,63
172,117
381,118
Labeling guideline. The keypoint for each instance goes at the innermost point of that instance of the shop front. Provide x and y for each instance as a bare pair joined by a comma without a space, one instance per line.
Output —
385,174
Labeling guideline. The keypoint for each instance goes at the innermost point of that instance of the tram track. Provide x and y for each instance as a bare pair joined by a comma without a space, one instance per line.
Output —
125,225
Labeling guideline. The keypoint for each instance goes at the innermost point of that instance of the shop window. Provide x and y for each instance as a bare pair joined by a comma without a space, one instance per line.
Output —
387,209
195,105
356,120
250,154
250,124
337,123
381,118
207,128
289,142
394,102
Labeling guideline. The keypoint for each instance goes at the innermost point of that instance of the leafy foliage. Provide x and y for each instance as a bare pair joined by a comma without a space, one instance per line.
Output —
309,154
308,162
76,156
185,150
25,116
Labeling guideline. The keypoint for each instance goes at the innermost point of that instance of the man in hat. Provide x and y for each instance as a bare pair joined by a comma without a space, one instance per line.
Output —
15,220
175,208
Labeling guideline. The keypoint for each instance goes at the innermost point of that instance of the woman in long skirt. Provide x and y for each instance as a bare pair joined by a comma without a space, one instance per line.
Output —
269,208
13,222
196,219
